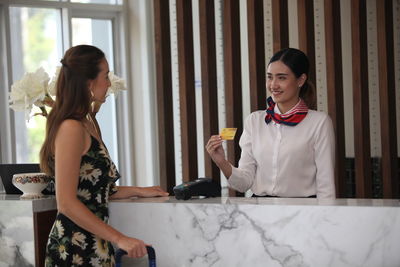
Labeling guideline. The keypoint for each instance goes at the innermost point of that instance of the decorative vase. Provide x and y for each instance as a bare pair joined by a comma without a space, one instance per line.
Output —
31,184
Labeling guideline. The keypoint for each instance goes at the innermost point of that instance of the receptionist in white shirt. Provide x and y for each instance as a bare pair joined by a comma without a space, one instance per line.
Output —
288,150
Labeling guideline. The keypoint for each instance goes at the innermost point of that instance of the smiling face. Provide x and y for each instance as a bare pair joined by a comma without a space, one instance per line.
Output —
283,85
100,85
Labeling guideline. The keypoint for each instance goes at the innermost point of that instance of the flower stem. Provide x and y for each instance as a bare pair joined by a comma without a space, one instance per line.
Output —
44,111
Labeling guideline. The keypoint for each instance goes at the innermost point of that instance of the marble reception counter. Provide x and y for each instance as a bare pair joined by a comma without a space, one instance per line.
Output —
264,231
24,226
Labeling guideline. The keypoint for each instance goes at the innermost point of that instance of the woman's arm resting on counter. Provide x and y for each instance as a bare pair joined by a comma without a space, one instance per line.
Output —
134,191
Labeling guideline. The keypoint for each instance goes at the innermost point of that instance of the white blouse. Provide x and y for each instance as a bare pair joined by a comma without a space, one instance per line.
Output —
286,161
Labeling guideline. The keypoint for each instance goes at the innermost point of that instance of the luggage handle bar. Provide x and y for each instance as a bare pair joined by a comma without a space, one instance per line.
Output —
150,253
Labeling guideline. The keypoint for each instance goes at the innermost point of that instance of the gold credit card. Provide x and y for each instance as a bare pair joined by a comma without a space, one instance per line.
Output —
228,133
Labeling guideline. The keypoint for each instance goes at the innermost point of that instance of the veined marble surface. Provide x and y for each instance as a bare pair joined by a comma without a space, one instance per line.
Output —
264,231
16,228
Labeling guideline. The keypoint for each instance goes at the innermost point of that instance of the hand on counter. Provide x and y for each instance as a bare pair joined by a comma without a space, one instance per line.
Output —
152,191
135,191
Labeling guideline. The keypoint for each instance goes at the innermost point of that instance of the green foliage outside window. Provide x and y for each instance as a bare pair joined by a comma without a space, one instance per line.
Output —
38,46
36,135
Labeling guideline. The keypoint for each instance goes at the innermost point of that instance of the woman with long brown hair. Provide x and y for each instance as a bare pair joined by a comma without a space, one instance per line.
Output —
288,150
84,173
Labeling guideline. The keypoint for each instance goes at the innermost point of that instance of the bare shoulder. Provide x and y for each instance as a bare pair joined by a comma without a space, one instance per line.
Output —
71,138
71,125
71,129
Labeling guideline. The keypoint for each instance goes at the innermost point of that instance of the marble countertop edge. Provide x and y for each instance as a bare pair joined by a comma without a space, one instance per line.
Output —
350,202
45,203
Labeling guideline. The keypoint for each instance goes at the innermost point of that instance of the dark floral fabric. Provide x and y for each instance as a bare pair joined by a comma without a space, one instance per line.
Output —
71,245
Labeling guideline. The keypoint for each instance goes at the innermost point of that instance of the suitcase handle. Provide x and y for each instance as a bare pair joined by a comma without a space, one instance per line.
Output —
150,253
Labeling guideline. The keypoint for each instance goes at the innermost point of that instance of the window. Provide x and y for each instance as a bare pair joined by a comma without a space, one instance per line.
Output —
37,42
37,35
98,32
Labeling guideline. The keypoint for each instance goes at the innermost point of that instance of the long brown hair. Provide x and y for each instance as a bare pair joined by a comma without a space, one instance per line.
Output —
79,65
298,63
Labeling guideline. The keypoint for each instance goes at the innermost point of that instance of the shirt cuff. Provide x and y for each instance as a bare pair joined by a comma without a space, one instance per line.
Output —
236,182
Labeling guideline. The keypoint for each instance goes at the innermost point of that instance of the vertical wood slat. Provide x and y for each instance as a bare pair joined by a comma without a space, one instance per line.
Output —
280,25
384,11
362,143
164,95
233,78
209,82
42,223
187,94
305,12
255,21
335,87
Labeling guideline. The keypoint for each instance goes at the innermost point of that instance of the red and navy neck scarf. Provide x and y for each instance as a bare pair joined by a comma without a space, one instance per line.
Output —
291,118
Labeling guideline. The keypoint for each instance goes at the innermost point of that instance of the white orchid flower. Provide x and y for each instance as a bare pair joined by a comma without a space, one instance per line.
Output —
117,84
53,83
29,91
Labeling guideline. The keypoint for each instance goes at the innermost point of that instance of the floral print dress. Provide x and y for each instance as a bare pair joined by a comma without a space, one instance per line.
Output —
71,245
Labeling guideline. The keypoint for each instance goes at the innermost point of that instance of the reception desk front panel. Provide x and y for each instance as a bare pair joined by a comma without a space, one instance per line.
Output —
23,226
264,231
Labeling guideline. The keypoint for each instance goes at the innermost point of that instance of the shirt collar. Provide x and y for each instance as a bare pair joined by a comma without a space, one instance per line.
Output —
277,111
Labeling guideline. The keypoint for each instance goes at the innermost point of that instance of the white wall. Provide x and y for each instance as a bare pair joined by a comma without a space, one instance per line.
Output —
142,95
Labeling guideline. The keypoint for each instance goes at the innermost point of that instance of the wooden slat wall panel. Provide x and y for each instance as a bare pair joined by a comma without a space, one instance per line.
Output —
280,25
164,95
233,82
209,80
255,21
384,11
305,12
335,86
187,95
362,144
233,77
